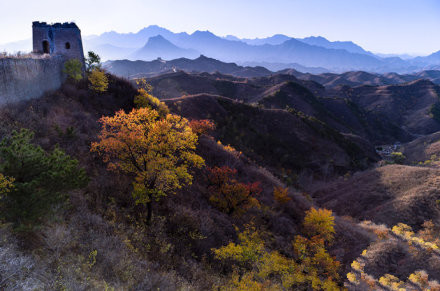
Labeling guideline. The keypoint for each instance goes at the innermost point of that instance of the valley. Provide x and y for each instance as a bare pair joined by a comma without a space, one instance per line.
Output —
366,151
162,160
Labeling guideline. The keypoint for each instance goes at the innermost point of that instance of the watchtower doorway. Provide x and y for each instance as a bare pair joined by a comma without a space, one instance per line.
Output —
46,47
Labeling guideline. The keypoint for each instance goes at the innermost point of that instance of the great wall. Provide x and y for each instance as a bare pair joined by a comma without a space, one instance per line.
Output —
30,76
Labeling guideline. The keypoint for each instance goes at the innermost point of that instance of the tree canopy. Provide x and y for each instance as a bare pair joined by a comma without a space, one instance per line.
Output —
257,268
73,69
146,99
98,80
38,179
93,61
158,151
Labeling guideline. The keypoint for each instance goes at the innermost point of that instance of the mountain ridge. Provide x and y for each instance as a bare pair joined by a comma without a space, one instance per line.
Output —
159,47
136,69
337,56
277,52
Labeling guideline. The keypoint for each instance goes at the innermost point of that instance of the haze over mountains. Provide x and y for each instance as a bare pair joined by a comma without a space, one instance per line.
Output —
311,54
275,53
139,69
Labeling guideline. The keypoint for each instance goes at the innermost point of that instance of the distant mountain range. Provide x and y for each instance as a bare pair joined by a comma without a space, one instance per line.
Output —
159,47
311,54
141,69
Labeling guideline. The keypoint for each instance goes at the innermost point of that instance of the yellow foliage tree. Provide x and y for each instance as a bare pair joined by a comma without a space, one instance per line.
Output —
145,98
320,222
392,282
419,278
311,269
352,278
158,151
281,195
403,230
249,250
6,184
98,80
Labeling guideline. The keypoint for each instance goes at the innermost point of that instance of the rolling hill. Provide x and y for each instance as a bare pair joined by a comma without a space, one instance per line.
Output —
138,69
380,114
277,138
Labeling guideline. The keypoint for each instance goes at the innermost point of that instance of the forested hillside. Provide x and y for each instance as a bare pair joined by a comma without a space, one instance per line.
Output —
208,181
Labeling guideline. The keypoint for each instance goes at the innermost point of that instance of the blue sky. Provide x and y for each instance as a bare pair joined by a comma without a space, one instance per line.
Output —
385,26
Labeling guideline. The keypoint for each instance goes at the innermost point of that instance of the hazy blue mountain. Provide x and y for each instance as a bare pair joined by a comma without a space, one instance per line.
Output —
276,49
311,54
213,46
132,40
430,62
159,47
232,37
432,59
290,51
273,40
402,56
283,66
343,45
299,52
136,69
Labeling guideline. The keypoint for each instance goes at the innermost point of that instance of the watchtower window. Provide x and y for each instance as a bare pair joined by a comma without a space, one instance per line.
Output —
67,45
46,48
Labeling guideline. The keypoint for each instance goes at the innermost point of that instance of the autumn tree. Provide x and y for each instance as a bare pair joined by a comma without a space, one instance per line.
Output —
312,268
202,126
430,232
158,151
39,179
247,252
281,195
73,69
398,157
6,185
144,98
229,195
311,248
320,223
98,80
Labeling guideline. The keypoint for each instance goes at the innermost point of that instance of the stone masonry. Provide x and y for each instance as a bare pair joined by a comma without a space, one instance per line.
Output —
31,77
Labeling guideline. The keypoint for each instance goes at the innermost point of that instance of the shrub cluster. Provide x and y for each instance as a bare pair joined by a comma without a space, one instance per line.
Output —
229,195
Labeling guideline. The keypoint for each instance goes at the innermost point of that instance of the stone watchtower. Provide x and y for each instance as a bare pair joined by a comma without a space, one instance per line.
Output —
58,39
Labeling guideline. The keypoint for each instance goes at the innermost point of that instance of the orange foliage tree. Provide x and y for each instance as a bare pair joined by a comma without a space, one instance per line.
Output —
203,126
281,195
159,151
229,195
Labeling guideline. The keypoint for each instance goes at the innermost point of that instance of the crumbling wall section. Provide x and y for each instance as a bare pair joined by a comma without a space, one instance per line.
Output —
27,78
